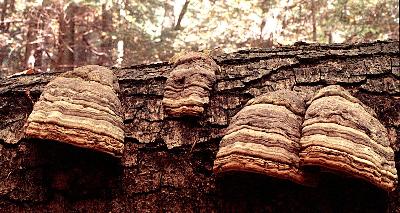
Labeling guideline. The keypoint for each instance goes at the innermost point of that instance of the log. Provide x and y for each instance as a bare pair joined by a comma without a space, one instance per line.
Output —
167,164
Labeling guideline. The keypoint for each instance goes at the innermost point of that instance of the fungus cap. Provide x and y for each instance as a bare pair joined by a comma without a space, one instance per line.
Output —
264,138
189,84
341,134
81,108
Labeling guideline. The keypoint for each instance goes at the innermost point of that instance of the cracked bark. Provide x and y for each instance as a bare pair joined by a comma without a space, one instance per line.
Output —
42,176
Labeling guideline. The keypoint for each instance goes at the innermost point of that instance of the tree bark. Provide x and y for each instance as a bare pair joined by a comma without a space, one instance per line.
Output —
160,172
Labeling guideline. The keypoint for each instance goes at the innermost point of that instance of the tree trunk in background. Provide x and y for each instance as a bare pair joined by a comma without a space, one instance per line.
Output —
30,37
121,25
11,10
330,38
169,18
3,29
168,30
83,53
181,15
38,176
106,39
7,8
127,56
3,15
66,40
34,47
314,21
3,12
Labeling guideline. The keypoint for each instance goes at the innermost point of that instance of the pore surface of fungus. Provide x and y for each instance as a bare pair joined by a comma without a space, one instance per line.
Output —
343,135
80,107
189,84
264,138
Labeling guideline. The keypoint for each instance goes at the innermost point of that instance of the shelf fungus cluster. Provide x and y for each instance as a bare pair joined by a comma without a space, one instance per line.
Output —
278,135
188,87
264,138
343,135
81,108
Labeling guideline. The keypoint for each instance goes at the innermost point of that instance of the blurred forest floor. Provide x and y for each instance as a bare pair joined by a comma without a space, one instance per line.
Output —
51,35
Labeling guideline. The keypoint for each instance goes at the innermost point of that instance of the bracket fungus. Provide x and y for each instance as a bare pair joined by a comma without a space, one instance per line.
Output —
80,107
341,134
189,84
264,138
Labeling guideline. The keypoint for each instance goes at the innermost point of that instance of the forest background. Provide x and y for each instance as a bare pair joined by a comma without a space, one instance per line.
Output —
53,35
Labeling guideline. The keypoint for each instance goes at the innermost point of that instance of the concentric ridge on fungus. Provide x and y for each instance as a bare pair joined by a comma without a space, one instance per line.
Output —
189,84
264,138
341,134
81,108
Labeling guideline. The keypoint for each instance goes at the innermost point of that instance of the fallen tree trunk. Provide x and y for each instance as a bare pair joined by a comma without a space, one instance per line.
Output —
167,163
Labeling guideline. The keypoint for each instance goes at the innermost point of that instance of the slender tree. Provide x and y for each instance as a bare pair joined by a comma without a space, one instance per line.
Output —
314,21
106,31
182,14
34,37
66,36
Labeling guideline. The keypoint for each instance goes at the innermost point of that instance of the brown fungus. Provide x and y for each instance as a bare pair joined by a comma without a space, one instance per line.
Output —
80,107
343,135
189,84
264,138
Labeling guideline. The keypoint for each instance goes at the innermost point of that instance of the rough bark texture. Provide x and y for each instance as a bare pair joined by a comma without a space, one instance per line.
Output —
38,176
